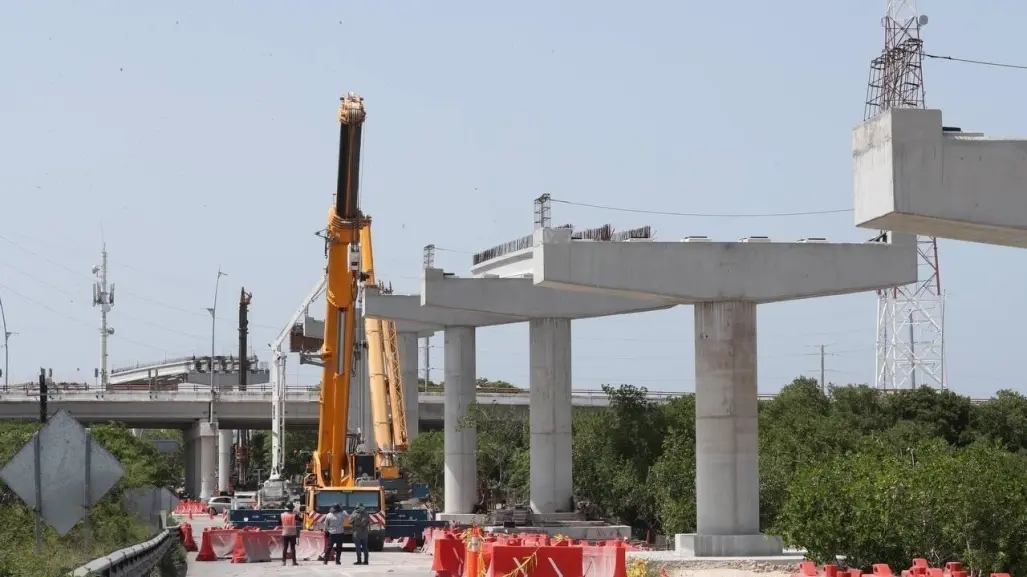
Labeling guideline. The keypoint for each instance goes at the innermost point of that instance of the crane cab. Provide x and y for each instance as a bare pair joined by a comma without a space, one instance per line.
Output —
320,501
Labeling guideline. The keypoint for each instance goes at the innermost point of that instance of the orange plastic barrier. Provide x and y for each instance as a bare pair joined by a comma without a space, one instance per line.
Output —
604,561
310,545
185,533
206,552
551,561
251,547
448,556
918,568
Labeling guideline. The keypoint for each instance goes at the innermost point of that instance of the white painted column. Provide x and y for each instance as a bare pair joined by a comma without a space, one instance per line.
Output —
461,442
204,434
550,416
224,459
408,369
727,484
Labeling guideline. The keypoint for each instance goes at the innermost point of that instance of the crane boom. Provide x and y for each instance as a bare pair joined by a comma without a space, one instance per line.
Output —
278,383
330,460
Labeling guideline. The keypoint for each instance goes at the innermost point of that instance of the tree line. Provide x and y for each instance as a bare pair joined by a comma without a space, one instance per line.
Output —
876,477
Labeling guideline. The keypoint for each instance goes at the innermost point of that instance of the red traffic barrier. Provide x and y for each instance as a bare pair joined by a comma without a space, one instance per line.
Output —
185,534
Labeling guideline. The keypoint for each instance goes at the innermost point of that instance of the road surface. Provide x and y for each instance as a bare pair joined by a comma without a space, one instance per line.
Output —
392,561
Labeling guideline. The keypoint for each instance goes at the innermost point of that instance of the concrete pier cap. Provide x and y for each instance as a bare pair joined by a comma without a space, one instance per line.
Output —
916,176
549,313
725,281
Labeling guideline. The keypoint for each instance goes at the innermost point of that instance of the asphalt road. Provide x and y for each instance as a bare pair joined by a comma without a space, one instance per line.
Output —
392,561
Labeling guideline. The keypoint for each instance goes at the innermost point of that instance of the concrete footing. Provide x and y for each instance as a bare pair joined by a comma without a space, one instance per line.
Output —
691,545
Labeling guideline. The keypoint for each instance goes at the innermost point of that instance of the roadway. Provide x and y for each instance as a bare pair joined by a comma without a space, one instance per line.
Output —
391,562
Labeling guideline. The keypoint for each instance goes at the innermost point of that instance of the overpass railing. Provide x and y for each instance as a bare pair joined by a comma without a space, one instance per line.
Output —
135,560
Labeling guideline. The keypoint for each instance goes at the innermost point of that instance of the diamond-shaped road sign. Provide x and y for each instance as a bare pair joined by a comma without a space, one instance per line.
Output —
62,474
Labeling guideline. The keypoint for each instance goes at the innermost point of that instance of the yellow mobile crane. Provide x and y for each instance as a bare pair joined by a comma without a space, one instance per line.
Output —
388,411
332,479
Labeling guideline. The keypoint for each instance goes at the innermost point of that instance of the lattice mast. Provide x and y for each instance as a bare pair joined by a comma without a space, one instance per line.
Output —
910,319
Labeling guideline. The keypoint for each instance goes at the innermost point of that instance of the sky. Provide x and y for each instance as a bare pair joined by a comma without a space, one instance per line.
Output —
193,135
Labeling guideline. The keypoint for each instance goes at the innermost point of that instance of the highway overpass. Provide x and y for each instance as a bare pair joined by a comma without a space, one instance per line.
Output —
181,408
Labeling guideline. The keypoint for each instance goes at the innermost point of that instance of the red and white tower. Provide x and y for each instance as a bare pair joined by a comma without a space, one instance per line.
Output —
910,319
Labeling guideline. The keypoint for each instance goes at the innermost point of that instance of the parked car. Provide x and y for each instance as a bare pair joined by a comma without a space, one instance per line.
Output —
218,505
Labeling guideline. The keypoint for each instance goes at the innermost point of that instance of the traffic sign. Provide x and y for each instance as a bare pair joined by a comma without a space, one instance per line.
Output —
63,468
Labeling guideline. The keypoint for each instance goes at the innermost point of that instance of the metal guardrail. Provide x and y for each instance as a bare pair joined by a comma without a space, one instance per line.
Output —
135,561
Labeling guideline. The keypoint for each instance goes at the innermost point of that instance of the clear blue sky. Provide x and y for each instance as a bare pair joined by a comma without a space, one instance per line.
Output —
202,134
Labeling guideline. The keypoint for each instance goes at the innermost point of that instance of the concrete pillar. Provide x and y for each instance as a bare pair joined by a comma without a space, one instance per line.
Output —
550,415
224,459
408,368
461,442
204,434
727,466
191,470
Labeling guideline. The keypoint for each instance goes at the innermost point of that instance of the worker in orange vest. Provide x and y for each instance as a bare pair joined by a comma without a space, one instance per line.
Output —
290,532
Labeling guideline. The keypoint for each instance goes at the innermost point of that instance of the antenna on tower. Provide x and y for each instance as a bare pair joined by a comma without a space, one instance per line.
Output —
910,319
103,297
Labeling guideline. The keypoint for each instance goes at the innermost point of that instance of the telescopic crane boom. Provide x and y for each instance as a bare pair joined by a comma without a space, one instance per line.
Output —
342,246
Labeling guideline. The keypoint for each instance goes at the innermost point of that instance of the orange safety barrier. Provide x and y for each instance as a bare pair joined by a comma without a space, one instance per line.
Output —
448,556
216,544
608,561
185,533
206,552
918,568
543,561
310,545
251,546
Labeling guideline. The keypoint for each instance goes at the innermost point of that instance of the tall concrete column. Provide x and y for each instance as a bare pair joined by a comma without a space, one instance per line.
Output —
224,459
550,415
408,367
461,442
191,468
204,434
727,466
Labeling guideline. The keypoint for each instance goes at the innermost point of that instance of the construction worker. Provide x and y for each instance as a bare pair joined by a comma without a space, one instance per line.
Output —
290,532
334,521
361,523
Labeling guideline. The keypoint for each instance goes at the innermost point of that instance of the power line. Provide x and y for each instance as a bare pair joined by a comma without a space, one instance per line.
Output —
75,319
198,312
703,215
74,296
976,62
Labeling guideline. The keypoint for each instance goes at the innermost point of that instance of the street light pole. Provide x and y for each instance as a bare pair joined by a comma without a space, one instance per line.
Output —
213,325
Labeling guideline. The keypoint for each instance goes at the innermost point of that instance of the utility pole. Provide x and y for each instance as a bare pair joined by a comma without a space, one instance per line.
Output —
428,262
213,325
823,379
103,297
243,448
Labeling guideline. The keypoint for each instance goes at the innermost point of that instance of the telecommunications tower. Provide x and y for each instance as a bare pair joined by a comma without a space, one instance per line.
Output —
910,319
103,297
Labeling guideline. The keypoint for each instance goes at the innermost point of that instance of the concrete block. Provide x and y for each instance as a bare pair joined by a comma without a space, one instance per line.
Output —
692,545
912,176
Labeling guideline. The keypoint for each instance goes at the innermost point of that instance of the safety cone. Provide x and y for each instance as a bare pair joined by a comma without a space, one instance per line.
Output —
471,557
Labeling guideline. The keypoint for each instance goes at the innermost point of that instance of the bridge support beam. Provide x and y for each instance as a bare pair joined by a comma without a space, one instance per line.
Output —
551,480
461,441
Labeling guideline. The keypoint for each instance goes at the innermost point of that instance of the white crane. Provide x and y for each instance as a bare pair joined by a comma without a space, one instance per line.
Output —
278,383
